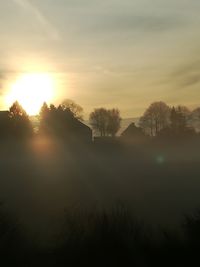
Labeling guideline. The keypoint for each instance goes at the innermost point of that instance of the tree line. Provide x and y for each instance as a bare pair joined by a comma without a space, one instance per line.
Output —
52,120
159,119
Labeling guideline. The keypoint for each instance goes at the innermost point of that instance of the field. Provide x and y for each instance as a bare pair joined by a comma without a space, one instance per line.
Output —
47,186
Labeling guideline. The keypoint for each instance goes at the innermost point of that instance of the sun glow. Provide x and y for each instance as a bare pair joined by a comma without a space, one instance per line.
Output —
31,91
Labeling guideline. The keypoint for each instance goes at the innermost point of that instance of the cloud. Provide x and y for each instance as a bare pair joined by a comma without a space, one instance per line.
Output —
39,16
135,22
187,74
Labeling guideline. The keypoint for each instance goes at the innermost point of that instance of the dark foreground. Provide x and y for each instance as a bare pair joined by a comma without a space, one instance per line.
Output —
114,239
99,206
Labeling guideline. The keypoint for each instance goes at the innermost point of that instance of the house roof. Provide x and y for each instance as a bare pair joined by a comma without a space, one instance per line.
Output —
132,129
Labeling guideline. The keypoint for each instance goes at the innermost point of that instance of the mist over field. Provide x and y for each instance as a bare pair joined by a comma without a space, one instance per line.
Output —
158,184
67,189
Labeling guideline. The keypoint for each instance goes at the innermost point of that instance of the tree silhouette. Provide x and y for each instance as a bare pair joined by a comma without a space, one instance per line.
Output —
76,109
43,117
114,121
179,123
155,118
16,110
20,125
178,120
99,121
194,119
105,121
44,110
60,122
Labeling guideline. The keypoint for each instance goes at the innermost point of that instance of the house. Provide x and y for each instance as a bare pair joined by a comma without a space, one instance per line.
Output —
133,134
66,127
79,131
4,123
3,115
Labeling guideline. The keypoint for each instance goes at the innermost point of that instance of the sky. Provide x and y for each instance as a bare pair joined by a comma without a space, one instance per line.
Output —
105,53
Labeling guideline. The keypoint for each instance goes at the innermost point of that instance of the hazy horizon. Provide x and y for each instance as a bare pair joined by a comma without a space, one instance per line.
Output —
123,54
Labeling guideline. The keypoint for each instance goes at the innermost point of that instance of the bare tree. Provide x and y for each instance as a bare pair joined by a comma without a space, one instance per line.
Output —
155,118
76,109
105,121
114,122
99,121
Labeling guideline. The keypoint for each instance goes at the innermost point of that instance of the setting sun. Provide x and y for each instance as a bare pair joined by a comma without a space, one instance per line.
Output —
31,90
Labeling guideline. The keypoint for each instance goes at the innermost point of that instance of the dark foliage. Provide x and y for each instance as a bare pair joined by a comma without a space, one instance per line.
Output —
61,122
15,123
103,238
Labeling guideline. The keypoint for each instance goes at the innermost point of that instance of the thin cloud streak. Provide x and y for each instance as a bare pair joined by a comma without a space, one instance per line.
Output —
187,75
43,21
